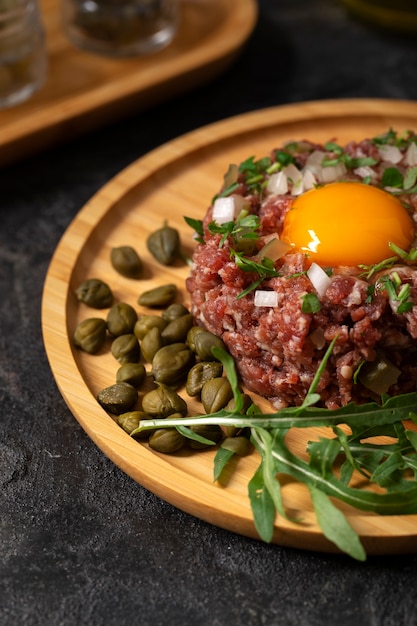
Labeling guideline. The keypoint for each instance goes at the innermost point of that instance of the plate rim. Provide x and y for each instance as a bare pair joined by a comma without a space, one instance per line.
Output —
92,212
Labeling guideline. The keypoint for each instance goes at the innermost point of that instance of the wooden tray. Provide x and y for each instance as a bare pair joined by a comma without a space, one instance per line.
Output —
177,180
84,91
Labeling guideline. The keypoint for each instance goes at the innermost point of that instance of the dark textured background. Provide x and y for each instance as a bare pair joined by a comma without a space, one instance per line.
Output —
80,542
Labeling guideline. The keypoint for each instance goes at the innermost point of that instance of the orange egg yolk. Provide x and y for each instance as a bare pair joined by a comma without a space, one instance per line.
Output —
347,223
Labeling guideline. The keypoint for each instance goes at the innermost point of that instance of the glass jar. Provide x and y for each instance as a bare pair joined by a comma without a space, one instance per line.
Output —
115,28
23,59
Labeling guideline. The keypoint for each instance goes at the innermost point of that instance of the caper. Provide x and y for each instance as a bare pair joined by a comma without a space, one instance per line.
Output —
239,445
204,342
215,394
191,335
118,398
177,330
171,364
90,334
130,421
126,261
132,373
166,440
162,402
173,311
121,319
151,343
212,432
164,244
95,293
125,348
146,322
200,373
159,297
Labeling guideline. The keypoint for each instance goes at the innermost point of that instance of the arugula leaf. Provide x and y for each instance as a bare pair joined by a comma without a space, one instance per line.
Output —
335,526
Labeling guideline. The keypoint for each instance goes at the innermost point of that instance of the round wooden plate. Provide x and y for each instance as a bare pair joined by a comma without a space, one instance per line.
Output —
176,180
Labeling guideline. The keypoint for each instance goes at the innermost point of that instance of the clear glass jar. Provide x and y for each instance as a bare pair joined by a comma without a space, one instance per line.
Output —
115,28
400,15
23,61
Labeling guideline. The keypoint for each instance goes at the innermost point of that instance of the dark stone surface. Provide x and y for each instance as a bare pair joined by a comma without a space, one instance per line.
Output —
80,542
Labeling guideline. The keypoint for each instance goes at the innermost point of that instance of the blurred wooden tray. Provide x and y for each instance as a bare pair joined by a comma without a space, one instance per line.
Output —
84,91
178,180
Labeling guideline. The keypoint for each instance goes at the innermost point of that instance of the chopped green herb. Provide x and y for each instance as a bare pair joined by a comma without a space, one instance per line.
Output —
392,177
245,227
265,269
310,303
410,178
197,226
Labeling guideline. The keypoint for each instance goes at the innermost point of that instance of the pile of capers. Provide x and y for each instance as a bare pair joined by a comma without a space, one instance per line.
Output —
179,356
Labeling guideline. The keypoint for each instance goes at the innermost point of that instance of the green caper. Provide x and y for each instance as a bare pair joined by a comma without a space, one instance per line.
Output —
146,322
151,343
239,445
95,293
173,311
166,440
177,330
125,348
164,244
212,432
215,394
130,421
121,319
118,398
171,364
204,342
200,373
126,261
90,334
191,335
132,373
158,297
162,402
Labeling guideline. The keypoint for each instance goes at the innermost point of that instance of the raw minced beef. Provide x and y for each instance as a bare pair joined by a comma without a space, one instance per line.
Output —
277,350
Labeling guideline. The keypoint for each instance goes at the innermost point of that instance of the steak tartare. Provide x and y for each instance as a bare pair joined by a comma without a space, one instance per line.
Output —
278,301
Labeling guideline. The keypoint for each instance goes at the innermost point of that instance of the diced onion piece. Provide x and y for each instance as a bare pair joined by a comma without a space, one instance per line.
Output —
332,172
318,278
227,209
309,180
314,164
411,155
274,249
266,298
392,154
364,170
294,175
277,184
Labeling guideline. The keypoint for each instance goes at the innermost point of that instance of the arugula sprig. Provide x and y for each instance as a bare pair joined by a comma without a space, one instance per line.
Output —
387,465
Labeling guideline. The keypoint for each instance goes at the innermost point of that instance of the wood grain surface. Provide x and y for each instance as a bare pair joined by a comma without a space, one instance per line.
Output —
83,91
179,179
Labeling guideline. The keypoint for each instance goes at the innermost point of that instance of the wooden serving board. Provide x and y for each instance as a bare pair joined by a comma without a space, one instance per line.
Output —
84,91
179,179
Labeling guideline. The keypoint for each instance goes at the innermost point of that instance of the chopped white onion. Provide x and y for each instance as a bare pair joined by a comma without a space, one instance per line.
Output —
314,164
266,298
391,154
227,209
364,170
331,173
294,175
411,155
318,278
274,249
309,180
278,184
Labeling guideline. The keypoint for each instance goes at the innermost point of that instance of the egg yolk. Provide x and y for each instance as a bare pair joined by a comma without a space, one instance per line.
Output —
347,223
